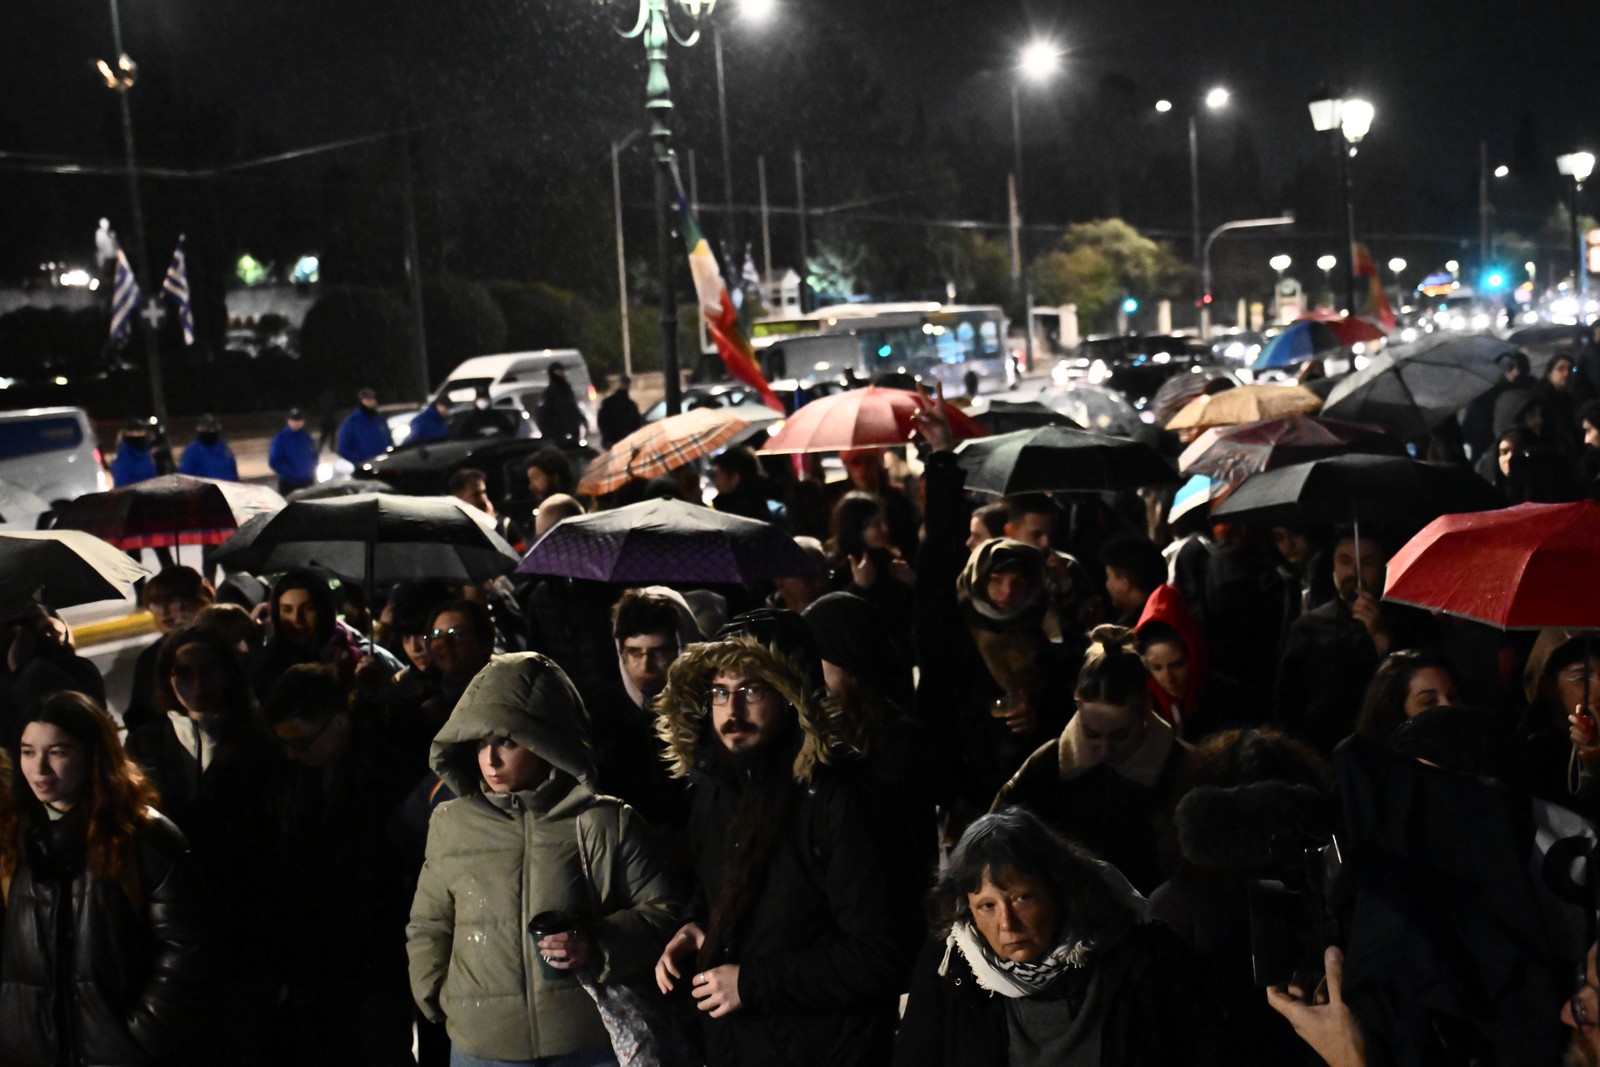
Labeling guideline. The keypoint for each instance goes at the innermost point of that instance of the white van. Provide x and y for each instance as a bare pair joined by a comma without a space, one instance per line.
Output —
515,380
48,456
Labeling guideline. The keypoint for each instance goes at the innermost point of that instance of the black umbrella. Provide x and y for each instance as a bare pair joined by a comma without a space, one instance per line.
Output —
373,540
1059,459
1008,416
61,568
1359,488
666,541
338,487
1409,390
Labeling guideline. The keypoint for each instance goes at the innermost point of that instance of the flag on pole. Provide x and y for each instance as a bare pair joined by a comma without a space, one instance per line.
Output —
751,279
176,286
1377,301
720,316
125,298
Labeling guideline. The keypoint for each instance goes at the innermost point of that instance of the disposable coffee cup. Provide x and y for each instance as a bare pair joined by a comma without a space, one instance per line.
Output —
542,926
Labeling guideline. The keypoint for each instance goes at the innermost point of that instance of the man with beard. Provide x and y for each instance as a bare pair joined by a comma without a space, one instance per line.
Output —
364,433
796,952
652,627
1331,651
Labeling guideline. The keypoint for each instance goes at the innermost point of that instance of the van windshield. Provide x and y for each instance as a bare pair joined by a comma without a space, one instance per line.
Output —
462,390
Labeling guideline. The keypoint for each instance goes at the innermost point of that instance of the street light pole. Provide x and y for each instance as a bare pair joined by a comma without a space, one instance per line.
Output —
1578,166
1037,62
1345,153
1237,224
654,27
122,83
1202,284
1352,118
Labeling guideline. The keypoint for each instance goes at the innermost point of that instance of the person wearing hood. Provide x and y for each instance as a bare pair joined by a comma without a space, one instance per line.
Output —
364,433
432,423
1480,417
1112,777
530,878
1561,748
306,628
652,627
796,950
1174,652
1044,960
559,417
208,455
133,462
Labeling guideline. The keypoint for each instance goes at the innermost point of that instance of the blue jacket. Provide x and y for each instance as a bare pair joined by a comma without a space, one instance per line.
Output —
293,456
362,436
209,461
429,425
131,465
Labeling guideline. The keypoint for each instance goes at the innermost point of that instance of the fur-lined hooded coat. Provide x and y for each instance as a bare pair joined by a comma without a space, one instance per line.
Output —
822,950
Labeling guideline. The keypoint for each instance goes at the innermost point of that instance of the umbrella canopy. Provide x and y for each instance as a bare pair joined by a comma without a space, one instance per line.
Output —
666,541
1313,336
247,500
1096,408
1179,389
340,487
1247,403
374,539
1198,492
61,568
173,509
1358,488
861,418
1233,453
659,447
1408,391
1059,459
1526,567
20,509
1008,416
1545,342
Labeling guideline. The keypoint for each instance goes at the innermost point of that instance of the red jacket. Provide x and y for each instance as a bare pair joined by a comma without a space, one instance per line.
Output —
1167,605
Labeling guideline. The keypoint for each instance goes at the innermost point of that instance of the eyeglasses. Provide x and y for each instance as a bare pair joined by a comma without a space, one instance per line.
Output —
751,693
449,637
302,745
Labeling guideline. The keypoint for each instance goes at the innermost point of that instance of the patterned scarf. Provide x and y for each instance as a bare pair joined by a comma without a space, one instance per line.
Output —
1005,977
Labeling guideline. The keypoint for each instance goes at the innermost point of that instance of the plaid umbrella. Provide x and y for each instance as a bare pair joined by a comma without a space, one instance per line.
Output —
374,539
659,447
1247,403
61,568
1233,453
861,418
173,509
666,541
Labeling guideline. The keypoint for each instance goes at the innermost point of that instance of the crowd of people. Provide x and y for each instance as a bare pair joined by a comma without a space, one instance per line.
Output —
1039,780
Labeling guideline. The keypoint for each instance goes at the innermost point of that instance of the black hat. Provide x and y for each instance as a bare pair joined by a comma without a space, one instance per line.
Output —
296,413
135,424
208,423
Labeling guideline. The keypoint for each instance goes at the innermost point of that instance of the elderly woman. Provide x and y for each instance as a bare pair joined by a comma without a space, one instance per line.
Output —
1045,962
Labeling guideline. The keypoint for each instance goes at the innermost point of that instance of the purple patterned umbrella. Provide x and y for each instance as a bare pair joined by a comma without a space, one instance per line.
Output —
666,541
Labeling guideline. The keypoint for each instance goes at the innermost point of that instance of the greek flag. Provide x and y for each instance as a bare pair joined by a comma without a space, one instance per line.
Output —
176,286
751,278
125,298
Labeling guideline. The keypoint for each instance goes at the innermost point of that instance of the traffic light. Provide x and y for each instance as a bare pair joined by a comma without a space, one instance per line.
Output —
1130,305
1494,279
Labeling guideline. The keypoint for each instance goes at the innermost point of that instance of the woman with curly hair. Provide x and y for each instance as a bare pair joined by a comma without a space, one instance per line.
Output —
101,960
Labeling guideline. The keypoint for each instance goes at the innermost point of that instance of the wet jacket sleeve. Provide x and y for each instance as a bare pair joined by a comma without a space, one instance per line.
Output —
174,996
636,907
871,958
431,931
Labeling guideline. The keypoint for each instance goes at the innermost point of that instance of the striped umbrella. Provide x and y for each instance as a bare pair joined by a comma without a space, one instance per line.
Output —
659,447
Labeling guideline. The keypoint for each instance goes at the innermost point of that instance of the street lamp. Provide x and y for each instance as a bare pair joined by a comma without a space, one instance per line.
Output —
1396,265
120,80
1038,62
756,13
1578,166
1326,265
654,26
1286,219
1352,118
1278,263
1216,99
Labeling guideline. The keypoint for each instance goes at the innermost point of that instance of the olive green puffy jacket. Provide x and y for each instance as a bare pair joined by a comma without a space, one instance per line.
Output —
495,861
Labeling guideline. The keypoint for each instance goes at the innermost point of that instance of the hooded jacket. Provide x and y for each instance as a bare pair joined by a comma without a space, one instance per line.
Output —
1167,605
494,861
822,948
214,460
363,434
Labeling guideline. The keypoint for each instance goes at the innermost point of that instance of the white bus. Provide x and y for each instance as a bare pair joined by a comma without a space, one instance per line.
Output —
940,342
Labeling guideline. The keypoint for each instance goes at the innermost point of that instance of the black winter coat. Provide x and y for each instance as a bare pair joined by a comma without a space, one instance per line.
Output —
823,950
136,962
1160,1016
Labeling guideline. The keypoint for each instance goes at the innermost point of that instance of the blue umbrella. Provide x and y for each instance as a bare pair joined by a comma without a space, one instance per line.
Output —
1296,344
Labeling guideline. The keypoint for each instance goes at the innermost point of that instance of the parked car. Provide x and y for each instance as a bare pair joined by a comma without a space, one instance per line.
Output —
1134,365
791,393
48,457
514,380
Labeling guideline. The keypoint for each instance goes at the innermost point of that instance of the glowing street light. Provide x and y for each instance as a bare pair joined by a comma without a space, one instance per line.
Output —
1279,264
1326,265
1352,117
1397,264
1039,60
759,11
1326,262
1163,106
1453,266
1501,171
1578,166
1037,63
1217,98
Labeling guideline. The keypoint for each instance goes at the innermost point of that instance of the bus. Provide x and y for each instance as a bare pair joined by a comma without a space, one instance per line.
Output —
935,342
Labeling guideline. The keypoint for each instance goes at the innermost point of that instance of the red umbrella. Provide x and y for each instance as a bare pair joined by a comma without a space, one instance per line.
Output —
861,418
1527,567
1233,453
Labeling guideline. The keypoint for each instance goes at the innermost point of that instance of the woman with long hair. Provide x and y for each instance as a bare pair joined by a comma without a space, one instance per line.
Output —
101,959
1405,685
864,562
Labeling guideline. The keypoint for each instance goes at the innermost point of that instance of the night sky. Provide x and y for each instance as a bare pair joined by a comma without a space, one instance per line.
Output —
272,75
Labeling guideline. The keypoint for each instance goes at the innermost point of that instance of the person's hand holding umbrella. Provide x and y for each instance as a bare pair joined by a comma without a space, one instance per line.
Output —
1366,611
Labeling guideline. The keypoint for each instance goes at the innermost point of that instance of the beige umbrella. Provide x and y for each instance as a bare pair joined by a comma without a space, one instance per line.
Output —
1247,403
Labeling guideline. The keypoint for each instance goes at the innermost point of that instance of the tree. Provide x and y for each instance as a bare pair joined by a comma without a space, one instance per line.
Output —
1096,263
538,315
356,337
461,321
979,267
